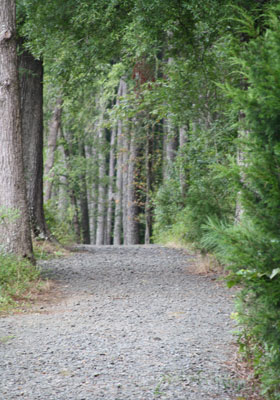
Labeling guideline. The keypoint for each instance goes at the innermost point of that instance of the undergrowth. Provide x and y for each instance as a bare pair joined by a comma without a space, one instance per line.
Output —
20,281
17,277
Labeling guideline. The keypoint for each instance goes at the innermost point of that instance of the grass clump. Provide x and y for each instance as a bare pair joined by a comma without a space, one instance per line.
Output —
17,276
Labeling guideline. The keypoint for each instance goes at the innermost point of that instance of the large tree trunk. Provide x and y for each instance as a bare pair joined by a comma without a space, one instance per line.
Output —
15,234
54,127
31,94
101,225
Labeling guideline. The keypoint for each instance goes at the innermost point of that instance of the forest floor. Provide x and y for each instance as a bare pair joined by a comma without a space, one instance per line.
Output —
122,323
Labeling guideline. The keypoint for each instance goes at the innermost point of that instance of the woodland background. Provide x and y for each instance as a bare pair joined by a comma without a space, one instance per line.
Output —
159,121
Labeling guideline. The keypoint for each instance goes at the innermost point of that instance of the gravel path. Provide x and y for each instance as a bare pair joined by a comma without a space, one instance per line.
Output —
133,324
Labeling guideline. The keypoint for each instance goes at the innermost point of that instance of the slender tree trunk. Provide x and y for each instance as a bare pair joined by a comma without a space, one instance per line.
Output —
170,134
170,147
101,225
241,162
132,200
90,150
119,188
149,168
76,221
183,138
54,127
71,192
125,162
31,94
15,234
119,204
84,202
125,182
62,195
111,186
94,200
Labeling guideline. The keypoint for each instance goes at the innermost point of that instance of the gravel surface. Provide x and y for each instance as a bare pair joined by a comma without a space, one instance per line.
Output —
133,324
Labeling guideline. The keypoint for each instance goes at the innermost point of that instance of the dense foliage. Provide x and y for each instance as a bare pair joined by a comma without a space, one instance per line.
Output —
251,248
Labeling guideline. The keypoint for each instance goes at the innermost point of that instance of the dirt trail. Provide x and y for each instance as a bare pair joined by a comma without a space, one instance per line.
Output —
133,323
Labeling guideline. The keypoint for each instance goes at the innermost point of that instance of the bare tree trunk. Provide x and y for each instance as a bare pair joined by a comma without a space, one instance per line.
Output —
90,150
119,188
241,162
31,94
94,203
101,226
170,147
62,195
111,186
54,127
125,163
119,204
183,138
76,221
71,192
84,201
132,201
170,134
149,167
93,211
15,234
126,149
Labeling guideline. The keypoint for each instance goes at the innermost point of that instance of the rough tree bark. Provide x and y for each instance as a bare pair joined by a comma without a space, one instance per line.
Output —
31,95
15,233
54,127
